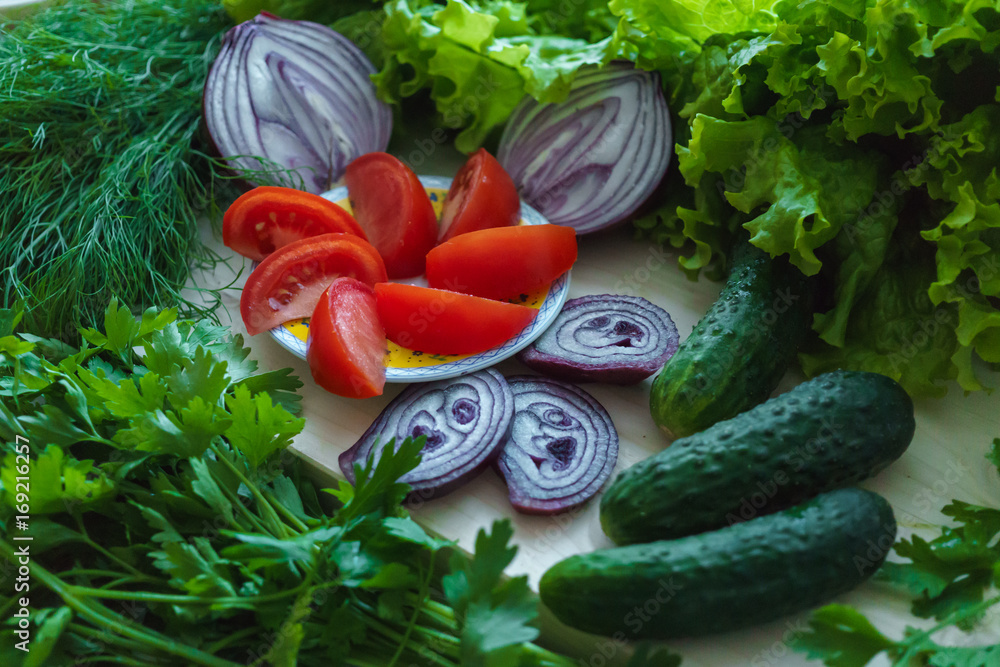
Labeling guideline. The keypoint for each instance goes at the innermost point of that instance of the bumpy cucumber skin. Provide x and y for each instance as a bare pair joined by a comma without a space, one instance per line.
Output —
827,433
727,579
739,351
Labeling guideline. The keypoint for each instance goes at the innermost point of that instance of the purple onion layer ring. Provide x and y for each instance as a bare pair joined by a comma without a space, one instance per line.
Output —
607,338
464,419
561,449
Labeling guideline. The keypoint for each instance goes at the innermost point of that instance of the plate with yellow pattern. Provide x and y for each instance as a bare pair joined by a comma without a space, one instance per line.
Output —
406,365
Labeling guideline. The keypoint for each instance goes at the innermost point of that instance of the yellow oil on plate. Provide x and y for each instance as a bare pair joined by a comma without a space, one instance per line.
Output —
405,365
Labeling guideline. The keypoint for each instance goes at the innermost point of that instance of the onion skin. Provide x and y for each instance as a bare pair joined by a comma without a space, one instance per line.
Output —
554,422
590,161
296,93
634,342
450,413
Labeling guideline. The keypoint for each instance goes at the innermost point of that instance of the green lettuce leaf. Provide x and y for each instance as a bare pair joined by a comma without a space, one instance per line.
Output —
856,138
696,19
962,170
477,61
895,329
311,10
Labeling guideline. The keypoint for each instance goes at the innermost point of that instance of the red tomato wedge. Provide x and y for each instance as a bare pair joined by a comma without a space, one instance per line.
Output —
503,262
481,196
288,283
394,210
443,322
346,345
267,218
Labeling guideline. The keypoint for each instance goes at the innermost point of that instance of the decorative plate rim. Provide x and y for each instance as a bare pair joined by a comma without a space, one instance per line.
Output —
553,302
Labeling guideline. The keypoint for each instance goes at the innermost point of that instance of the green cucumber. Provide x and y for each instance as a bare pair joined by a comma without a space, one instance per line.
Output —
727,579
829,432
739,351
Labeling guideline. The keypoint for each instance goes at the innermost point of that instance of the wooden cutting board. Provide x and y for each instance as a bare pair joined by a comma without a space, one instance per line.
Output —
945,460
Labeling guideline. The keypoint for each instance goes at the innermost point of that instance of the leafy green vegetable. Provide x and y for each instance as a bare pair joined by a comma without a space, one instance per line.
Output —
167,528
950,577
845,136
477,59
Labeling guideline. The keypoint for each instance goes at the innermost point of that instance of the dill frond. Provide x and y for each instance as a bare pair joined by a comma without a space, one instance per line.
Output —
104,165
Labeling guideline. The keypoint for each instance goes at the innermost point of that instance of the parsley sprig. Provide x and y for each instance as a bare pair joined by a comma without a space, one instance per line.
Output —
170,526
953,579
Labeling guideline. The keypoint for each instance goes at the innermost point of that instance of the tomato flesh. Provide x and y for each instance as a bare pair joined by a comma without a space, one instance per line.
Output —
503,262
391,205
442,322
288,284
267,218
346,346
481,196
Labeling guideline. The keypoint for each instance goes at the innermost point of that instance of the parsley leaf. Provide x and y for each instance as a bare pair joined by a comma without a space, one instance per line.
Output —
201,376
259,428
949,577
376,491
181,528
843,637
494,614
126,399
280,385
994,454
58,482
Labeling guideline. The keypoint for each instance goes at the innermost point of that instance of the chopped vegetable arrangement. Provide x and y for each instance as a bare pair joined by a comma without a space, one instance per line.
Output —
477,268
267,218
502,262
835,162
346,344
287,285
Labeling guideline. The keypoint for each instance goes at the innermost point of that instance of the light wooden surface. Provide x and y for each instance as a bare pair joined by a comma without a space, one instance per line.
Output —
945,460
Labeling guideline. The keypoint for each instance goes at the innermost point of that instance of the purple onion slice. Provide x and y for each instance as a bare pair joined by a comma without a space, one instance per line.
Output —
296,93
590,161
562,446
608,338
465,420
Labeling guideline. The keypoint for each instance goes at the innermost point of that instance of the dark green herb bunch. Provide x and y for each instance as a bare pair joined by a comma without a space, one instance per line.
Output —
168,524
104,170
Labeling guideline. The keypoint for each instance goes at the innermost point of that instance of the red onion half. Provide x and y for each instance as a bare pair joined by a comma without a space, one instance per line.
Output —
464,419
296,93
562,446
608,338
590,161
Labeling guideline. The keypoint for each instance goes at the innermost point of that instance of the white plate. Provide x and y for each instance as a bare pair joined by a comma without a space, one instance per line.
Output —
413,366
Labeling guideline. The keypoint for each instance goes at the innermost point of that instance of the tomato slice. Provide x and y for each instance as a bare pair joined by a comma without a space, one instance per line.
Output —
503,262
266,218
481,196
394,210
287,285
443,322
346,345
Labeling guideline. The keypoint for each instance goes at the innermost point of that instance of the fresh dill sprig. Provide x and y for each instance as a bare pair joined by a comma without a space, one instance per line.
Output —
104,165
